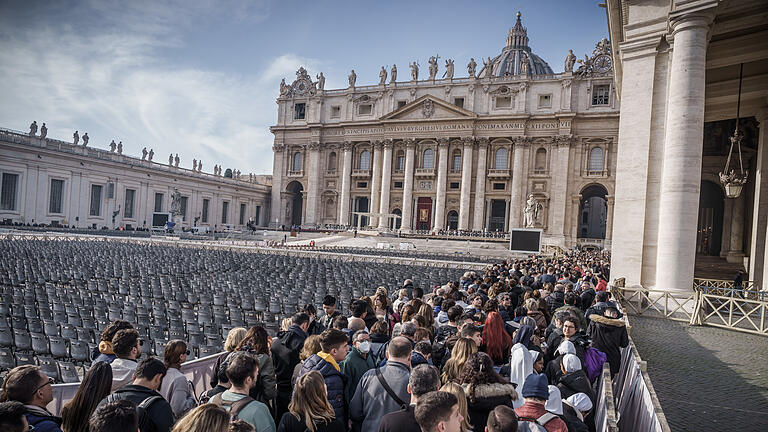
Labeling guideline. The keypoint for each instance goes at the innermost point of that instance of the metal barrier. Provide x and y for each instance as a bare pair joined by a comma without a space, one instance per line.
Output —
605,409
198,372
719,306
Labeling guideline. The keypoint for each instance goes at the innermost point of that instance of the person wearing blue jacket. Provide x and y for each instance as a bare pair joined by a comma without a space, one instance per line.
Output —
334,347
32,387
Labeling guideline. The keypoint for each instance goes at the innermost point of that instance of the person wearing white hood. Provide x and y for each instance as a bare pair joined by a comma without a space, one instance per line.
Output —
553,370
520,366
575,411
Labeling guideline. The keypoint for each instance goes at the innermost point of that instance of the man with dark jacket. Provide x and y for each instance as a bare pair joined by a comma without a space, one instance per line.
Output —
609,335
329,308
371,400
285,357
358,361
333,344
158,415
602,301
423,379
556,299
32,387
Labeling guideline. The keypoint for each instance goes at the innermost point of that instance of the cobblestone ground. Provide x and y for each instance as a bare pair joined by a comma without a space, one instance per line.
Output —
706,378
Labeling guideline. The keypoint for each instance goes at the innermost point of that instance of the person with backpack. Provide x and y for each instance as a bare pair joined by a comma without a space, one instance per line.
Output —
243,373
609,335
533,415
117,416
155,413
285,356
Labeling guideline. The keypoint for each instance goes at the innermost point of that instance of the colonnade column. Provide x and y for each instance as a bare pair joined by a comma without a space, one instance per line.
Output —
466,183
386,181
408,185
346,178
735,248
757,248
681,176
442,173
276,211
608,220
559,172
517,198
478,220
313,183
576,205
375,183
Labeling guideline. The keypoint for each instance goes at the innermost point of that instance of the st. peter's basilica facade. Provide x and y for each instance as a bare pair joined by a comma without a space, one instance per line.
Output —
437,152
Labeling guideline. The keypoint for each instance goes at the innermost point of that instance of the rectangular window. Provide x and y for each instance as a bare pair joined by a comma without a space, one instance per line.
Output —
600,94
503,102
56,199
499,186
365,109
110,190
362,185
400,164
335,111
242,214
459,102
206,204
454,185
130,195
258,214
183,207
299,111
224,211
158,202
401,103
398,185
545,101
95,200
8,193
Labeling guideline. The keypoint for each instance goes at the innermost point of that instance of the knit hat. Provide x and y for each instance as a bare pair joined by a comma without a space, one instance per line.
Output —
536,386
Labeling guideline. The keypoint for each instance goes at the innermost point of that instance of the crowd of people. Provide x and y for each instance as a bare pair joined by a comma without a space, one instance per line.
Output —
519,346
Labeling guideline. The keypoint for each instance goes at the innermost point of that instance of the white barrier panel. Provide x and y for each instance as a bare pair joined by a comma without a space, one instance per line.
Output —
199,372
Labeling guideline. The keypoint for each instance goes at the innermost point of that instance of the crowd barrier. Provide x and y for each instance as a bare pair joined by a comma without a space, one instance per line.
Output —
198,372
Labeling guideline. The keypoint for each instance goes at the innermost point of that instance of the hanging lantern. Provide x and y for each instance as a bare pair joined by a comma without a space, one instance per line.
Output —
733,181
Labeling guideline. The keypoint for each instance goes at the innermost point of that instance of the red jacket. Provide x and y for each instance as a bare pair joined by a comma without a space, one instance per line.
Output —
534,410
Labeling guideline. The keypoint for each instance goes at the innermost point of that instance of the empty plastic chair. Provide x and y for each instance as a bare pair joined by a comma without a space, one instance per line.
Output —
68,331
50,328
80,351
49,366
40,344
7,360
68,372
6,337
22,340
24,359
58,347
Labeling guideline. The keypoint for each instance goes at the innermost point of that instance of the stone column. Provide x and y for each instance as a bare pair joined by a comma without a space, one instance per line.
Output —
681,176
466,182
478,222
608,221
559,175
346,178
442,173
408,185
760,205
517,199
277,185
576,205
735,250
386,181
375,183
313,184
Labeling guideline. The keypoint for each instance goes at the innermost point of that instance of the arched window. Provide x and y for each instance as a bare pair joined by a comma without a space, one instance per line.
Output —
400,161
429,159
332,161
540,163
456,160
596,159
296,166
501,158
365,160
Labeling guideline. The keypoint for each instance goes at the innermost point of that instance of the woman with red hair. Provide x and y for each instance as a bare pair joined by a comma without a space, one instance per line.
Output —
496,340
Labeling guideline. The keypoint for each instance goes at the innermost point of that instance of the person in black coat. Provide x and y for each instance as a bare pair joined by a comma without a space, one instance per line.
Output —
285,356
574,379
609,335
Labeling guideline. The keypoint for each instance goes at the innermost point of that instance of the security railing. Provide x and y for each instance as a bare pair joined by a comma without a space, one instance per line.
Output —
710,303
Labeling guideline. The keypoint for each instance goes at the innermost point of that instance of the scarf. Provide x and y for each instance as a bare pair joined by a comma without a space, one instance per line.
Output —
329,358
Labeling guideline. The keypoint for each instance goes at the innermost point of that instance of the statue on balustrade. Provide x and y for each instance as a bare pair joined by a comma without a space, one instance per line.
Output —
151,155
112,146
570,60
43,131
76,137
448,69
415,71
352,78
472,67
383,76
321,82
85,139
120,147
144,153
33,128
393,74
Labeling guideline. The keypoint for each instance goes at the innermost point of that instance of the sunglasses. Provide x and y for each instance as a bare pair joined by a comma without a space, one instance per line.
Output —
49,382
189,352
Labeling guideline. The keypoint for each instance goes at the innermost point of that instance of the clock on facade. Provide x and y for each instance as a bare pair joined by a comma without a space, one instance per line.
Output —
603,63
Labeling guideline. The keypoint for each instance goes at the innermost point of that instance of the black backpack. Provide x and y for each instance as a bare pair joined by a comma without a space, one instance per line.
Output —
142,410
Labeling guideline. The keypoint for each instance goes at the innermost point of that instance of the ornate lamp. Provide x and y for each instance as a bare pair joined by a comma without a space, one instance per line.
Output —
734,181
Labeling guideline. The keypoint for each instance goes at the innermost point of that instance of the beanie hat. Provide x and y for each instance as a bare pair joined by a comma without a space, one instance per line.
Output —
536,386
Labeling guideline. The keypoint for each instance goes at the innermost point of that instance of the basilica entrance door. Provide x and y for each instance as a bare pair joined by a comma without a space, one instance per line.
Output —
424,214
710,229
498,215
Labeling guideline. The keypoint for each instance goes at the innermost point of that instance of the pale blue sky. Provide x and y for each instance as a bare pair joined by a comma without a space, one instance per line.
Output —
200,77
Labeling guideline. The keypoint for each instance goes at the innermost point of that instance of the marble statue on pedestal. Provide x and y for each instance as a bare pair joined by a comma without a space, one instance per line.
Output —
524,64
415,71
76,137
448,69
85,139
200,166
570,60
194,164
43,131
120,147
383,76
393,74
352,78
176,161
112,146
433,67
321,82
144,153
472,67
170,159
151,155
33,128
532,212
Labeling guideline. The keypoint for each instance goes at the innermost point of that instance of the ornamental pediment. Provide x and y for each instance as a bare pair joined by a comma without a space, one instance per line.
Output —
429,107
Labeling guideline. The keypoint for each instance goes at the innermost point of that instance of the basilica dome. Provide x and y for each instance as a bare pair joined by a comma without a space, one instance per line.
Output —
516,50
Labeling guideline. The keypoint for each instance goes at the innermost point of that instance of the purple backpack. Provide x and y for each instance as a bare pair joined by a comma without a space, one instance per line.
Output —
594,360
